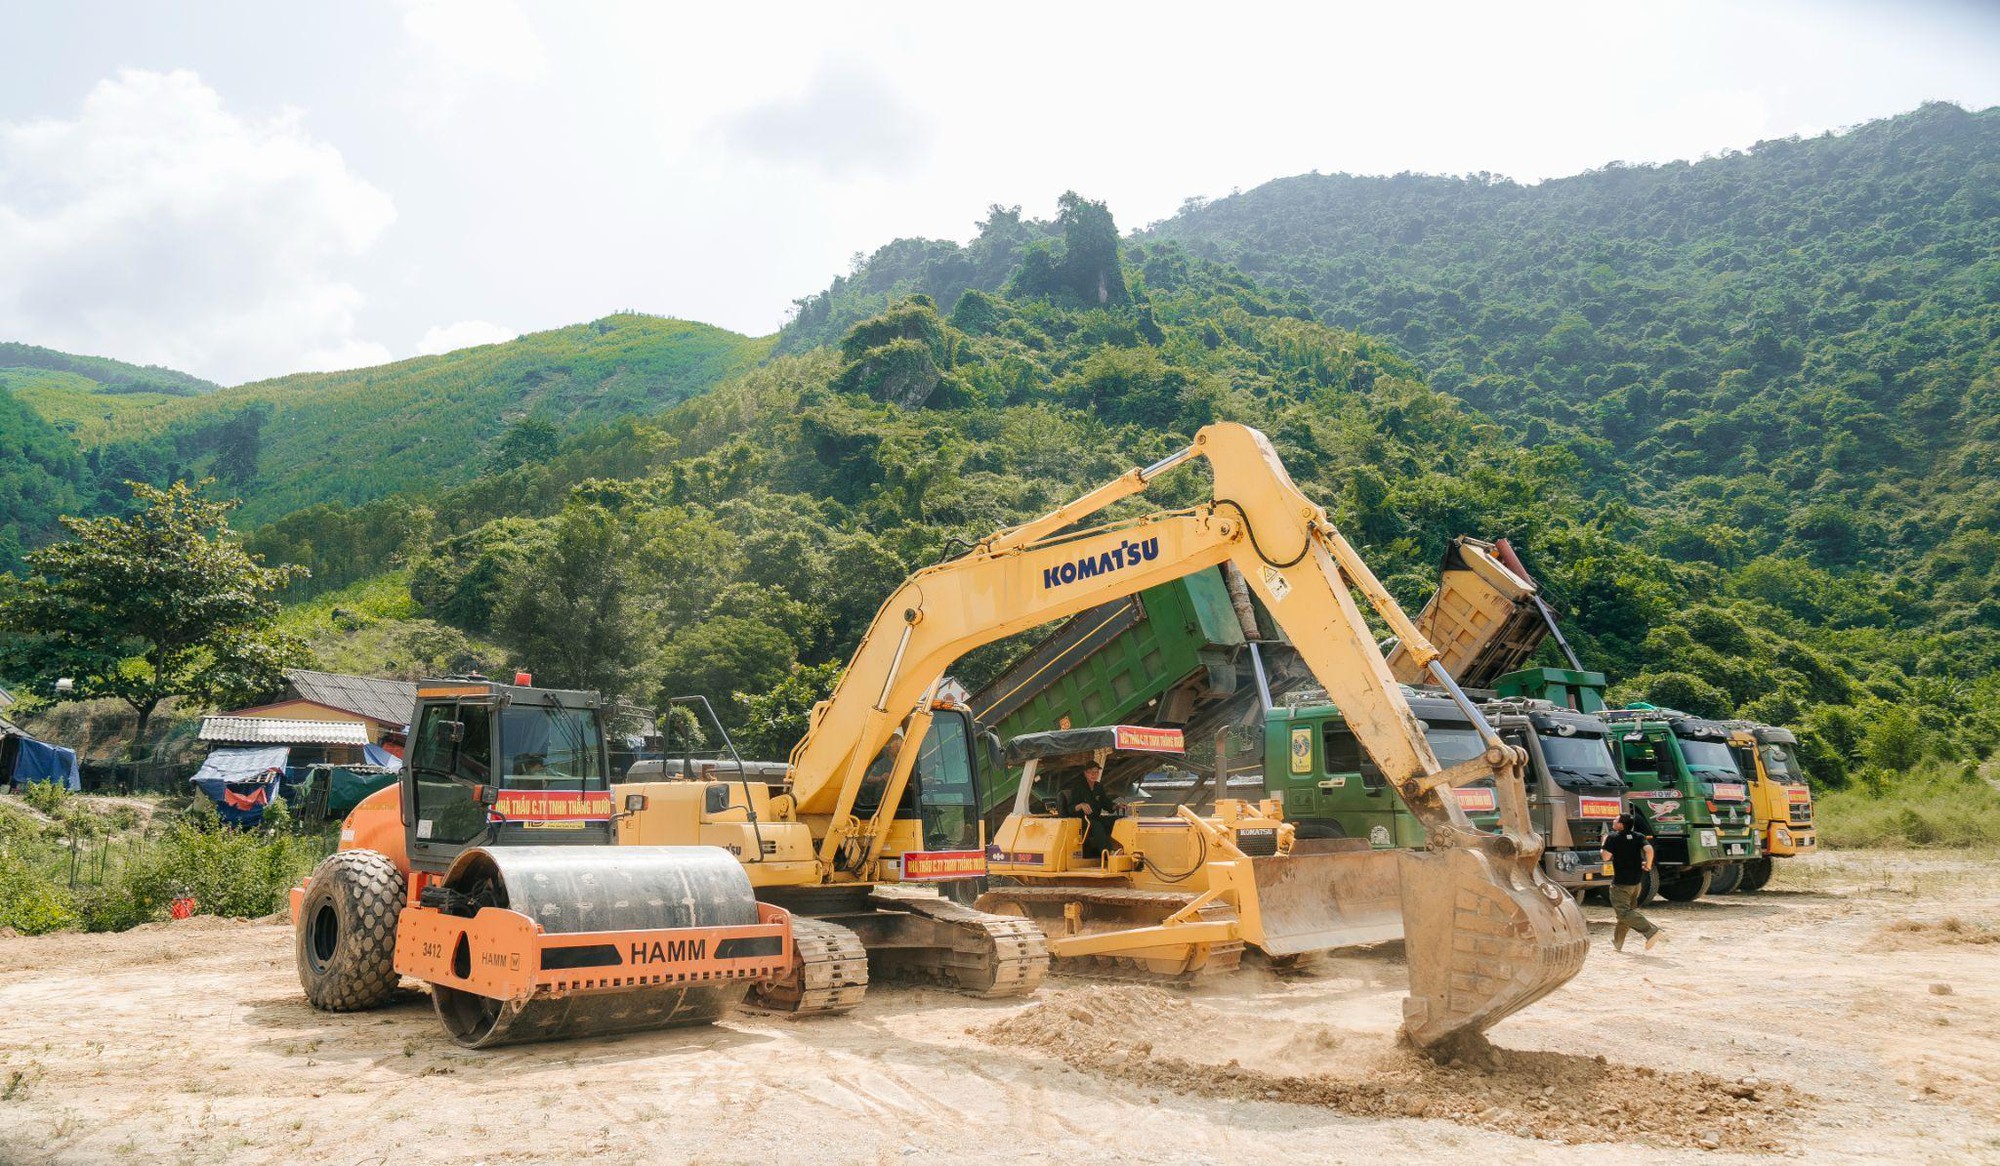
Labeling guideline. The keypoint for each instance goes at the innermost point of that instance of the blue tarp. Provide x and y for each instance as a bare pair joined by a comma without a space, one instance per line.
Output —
376,755
40,761
242,780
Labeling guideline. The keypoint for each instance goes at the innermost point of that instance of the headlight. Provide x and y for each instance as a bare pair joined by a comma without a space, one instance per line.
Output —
1708,838
1784,836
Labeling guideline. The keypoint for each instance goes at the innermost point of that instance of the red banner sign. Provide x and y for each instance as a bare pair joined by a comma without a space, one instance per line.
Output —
1798,795
1604,808
1149,740
1476,800
1729,791
937,865
531,805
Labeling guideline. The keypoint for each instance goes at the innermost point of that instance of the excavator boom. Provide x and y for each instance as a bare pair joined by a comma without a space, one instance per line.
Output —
1486,932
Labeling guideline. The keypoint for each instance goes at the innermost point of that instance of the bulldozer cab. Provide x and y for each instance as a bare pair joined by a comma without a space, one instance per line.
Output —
499,764
1041,835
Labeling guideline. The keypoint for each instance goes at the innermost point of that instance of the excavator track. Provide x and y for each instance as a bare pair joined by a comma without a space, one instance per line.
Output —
829,973
992,956
1142,908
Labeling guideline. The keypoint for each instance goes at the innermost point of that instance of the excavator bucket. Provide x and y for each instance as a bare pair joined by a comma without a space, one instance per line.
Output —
1485,936
1326,893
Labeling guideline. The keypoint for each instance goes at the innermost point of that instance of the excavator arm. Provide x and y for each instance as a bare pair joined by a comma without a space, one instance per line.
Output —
1487,933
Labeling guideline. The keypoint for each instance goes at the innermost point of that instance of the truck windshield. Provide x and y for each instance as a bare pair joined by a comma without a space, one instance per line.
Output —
1578,759
551,747
1708,755
1453,743
1779,763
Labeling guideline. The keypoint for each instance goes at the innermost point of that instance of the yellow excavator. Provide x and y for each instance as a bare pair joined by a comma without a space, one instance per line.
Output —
828,848
1487,933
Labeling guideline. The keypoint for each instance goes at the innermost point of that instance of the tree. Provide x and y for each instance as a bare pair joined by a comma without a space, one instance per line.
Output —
563,608
721,657
776,719
529,441
164,603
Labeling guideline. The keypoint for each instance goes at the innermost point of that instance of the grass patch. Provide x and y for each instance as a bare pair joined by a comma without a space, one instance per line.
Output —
1937,804
373,628
77,863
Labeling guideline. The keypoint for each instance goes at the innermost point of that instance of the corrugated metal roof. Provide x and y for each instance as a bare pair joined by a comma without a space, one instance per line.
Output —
388,701
277,731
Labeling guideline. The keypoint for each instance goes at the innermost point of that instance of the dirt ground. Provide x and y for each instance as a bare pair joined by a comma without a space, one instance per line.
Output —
1851,1012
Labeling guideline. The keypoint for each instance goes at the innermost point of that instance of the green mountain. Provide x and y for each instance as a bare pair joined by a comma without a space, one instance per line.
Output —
49,401
311,438
1790,350
1742,416
739,542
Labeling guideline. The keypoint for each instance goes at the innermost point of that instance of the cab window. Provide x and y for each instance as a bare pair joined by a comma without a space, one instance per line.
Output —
448,811
1343,755
950,810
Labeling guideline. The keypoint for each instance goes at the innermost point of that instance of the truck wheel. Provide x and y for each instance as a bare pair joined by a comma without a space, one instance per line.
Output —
1756,873
1649,887
1685,889
1726,880
346,942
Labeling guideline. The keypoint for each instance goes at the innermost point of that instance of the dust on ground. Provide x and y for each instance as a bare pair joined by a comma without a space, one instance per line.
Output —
1148,1037
189,1042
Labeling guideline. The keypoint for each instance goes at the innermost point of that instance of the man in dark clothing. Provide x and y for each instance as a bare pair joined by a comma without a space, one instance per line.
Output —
1630,854
1095,805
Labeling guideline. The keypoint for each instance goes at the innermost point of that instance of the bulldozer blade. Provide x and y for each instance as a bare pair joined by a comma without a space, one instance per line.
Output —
1485,936
1324,895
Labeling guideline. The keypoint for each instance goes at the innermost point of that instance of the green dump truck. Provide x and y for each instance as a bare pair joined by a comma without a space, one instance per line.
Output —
1685,787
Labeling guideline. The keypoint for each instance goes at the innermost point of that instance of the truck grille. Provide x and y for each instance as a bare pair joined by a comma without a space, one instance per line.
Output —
1585,832
1802,815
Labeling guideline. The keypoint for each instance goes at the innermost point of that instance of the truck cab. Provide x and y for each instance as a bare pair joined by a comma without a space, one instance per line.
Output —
1574,790
1781,805
1331,789
1687,792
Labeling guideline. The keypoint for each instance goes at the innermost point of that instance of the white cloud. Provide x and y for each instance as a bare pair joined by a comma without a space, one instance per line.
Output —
444,338
847,121
158,226
479,36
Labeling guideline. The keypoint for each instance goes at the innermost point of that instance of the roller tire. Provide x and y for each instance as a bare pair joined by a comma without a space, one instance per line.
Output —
346,934
1686,889
1756,873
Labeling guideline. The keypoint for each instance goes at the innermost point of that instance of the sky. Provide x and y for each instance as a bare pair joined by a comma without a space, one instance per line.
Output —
242,190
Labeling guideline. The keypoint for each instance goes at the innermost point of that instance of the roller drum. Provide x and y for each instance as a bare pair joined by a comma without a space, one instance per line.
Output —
615,888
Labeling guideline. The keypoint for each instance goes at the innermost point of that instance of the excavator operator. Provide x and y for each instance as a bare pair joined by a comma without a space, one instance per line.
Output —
1091,801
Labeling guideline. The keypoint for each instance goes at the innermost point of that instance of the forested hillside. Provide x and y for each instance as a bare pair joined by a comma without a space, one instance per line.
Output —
1790,351
1740,416
740,542
294,442
49,401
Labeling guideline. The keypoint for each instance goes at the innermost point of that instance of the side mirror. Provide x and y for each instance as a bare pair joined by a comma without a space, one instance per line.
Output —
489,796
454,731
635,803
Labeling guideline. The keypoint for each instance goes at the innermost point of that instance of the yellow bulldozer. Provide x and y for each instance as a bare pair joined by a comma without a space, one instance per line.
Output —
1156,891
827,849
